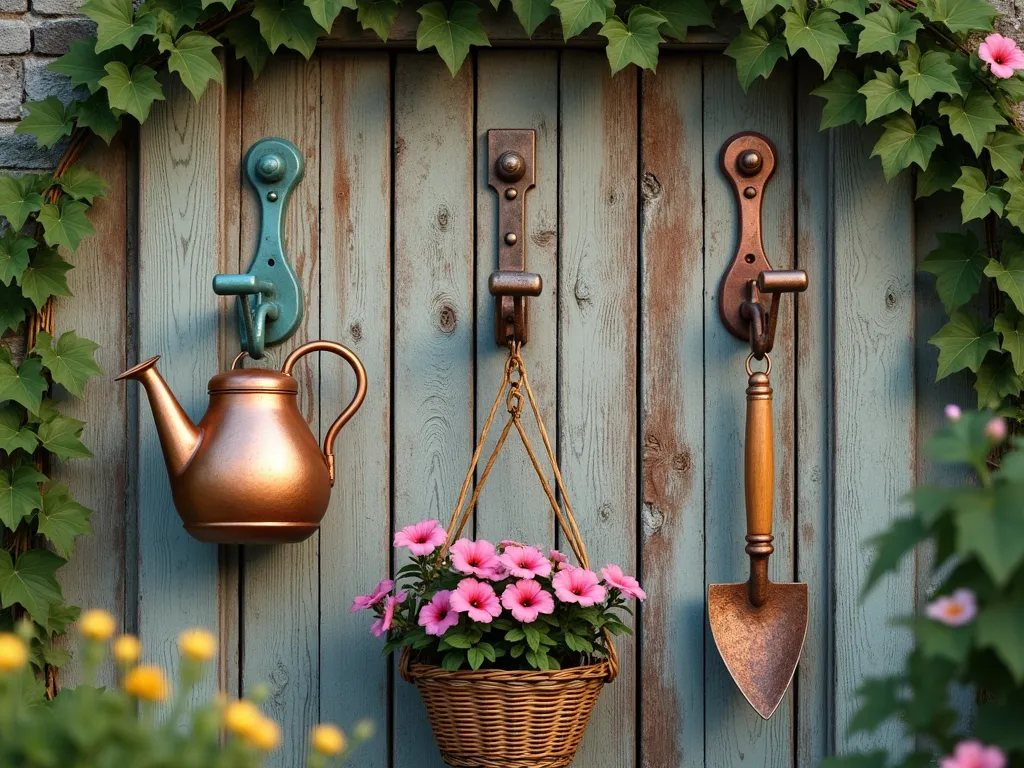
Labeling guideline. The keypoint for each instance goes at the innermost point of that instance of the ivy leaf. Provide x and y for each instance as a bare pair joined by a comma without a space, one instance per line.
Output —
1006,152
116,23
451,34
973,119
755,10
756,54
958,264
884,30
577,15
13,307
377,15
31,582
903,143
928,74
680,15
879,700
70,362
25,384
959,15
18,199
938,641
132,91
19,494
14,248
45,276
890,546
963,342
1000,627
532,12
820,35
1009,275
62,519
82,184
994,532
979,199
14,436
244,35
48,120
884,94
288,23
1015,206
95,114
996,379
191,56
65,223
844,103
940,175
1009,324
62,436
635,42
853,7
82,64
183,13
325,11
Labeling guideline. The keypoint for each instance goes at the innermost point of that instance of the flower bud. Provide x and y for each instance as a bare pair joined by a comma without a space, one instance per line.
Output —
328,740
996,429
127,649
364,730
97,625
147,683
953,412
197,644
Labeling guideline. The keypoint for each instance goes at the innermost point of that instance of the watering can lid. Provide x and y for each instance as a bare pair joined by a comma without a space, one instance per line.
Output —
253,380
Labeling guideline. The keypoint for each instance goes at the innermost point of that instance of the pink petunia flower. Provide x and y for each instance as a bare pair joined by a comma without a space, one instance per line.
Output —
1002,55
437,616
363,602
578,585
475,557
996,429
383,624
525,562
974,754
627,585
954,610
421,538
477,599
526,599
953,412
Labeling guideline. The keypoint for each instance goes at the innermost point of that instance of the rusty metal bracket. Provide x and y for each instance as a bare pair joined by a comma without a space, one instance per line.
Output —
511,154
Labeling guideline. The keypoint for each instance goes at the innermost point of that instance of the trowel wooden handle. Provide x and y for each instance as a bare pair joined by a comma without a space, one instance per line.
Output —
759,465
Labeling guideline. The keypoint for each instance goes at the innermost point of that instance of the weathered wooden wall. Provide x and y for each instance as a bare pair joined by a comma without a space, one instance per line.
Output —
393,234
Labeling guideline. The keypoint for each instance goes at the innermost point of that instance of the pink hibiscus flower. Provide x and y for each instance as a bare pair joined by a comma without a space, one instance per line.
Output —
627,585
526,600
437,616
578,585
475,557
363,602
421,538
383,624
525,562
954,610
476,599
974,754
1002,55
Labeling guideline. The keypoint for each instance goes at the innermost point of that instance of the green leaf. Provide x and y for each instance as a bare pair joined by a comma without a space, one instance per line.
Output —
531,13
19,198
891,546
175,14
755,10
244,35
756,54
82,64
451,34
996,380
844,103
853,7
940,175
132,91
958,264
453,660
680,15
994,531
903,143
13,307
70,362
288,23
116,23
14,250
31,582
879,700
1009,275
377,15
65,223
62,435
326,11
577,15
963,342
635,42
959,15
884,30
191,57
973,119
475,657
82,184
884,94
24,384
928,74
1006,152
938,641
19,494
979,199
45,276
48,120
1009,324
95,114
62,519
820,35
14,436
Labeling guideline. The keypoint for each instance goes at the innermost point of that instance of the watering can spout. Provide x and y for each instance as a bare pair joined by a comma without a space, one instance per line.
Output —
179,437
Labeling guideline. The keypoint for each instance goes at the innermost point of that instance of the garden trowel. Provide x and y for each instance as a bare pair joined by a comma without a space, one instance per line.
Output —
759,627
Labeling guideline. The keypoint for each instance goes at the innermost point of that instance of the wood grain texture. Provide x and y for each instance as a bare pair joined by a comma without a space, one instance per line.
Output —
280,612
672,413
874,416
597,337
433,323
355,247
734,732
518,92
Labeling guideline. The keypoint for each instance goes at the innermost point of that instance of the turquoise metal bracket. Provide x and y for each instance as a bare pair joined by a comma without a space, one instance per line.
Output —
270,302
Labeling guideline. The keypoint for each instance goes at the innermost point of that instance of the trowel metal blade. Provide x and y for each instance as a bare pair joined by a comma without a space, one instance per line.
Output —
760,646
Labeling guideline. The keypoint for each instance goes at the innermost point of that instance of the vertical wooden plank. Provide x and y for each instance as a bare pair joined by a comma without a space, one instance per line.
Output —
733,731
433,322
355,215
672,413
280,583
813,683
514,91
597,390
874,416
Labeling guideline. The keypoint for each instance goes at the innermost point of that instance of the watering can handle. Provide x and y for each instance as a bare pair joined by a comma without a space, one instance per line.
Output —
759,479
351,408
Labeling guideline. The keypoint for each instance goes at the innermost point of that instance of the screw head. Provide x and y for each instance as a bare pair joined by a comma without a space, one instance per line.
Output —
272,197
270,167
511,166
511,193
750,193
749,162
511,239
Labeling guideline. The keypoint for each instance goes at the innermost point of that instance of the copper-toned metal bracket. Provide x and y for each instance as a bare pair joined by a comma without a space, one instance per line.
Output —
511,154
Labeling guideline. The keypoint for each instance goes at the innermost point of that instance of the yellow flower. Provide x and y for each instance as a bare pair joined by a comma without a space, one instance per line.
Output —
97,625
147,683
241,717
197,644
127,649
328,740
13,652
265,735
364,730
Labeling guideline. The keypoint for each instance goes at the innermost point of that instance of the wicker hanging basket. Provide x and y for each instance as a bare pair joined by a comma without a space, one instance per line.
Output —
495,718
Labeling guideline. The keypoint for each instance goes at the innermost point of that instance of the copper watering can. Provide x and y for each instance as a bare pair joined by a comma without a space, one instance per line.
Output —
251,470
